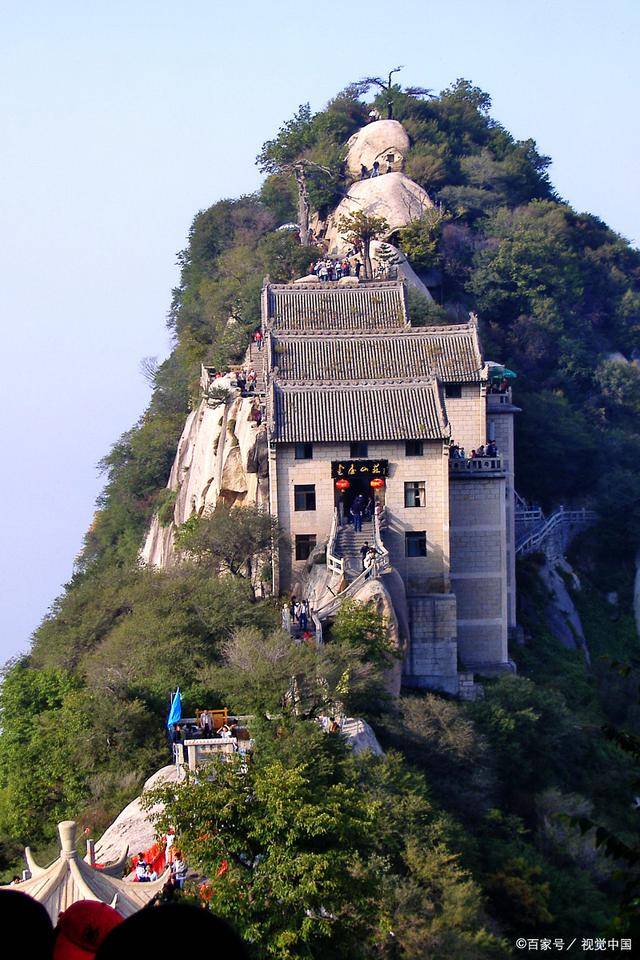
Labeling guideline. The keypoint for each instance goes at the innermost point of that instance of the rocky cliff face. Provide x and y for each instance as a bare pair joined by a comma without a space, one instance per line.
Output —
222,455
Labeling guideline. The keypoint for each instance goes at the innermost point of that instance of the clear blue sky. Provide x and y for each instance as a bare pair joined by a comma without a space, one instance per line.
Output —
120,120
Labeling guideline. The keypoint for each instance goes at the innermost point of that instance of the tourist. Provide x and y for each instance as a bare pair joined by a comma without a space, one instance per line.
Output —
473,454
323,272
179,869
491,450
374,115
356,512
293,603
151,874
364,550
241,381
334,726
251,381
303,616
375,170
257,339
141,870
369,561
82,929
480,451
357,268
169,842
173,930
455,451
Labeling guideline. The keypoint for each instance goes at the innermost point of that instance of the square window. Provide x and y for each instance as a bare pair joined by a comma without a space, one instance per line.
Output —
453,391
304,496
414,448
414,493
359,449
305,543
304,451
415,543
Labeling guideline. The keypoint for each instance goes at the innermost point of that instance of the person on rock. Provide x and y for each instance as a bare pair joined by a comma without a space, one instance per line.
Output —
375,170
364,173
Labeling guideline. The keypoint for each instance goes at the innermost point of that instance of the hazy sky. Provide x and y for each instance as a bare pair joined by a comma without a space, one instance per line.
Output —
118,121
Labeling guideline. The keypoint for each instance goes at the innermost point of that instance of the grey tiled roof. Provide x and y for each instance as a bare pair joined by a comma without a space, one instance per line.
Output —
452,353
329,306
306,414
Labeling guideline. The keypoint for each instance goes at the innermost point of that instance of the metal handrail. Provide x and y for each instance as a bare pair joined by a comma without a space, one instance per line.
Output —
561,515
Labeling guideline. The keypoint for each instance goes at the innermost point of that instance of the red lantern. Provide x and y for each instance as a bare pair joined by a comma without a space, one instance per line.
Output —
376,483
342,484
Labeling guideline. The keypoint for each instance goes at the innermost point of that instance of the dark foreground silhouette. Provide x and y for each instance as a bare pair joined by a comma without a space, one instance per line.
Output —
176,929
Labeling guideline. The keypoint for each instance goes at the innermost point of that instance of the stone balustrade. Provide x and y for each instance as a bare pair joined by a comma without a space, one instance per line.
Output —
464,467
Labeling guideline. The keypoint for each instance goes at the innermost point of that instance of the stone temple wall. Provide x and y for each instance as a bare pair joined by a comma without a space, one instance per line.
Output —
432,661
479,571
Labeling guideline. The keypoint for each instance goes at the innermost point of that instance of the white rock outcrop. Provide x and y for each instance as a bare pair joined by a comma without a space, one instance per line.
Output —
384,140
222,455
132,827
392,196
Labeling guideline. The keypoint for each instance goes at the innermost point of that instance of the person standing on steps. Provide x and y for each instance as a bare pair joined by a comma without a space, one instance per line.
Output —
356,512
364,550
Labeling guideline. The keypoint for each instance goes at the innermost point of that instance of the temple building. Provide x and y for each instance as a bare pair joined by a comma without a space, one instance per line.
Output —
360,402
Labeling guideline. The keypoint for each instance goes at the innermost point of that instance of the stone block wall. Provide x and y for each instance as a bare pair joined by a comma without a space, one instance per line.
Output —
479,570
500,426
432,659
468,417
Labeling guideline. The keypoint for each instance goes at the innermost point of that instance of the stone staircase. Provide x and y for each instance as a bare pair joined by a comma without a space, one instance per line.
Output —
254,360
348,544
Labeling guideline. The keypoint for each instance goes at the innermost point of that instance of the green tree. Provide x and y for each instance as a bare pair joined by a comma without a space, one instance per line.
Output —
361,228
235,540
287,154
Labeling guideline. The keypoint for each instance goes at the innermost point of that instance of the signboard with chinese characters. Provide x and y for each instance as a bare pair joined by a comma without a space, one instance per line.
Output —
359,468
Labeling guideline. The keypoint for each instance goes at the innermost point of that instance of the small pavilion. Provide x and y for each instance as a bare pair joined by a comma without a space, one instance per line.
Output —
70,878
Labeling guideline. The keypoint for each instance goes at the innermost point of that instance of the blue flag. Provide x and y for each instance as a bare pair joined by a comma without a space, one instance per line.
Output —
175,712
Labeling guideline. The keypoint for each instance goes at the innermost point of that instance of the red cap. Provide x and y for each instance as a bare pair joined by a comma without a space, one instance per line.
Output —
82,928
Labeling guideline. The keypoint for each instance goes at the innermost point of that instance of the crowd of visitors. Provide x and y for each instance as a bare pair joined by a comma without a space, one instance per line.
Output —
489,449
329,269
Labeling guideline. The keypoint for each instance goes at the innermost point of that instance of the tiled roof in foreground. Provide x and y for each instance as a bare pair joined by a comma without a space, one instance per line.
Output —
330,306
308,414
452,353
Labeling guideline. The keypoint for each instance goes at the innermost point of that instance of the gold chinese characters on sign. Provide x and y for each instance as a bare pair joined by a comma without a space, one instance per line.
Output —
359,468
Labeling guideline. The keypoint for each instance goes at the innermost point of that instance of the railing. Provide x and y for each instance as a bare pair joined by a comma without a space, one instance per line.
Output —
528,543
528,515
334,564
497,399
475,465
382,560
